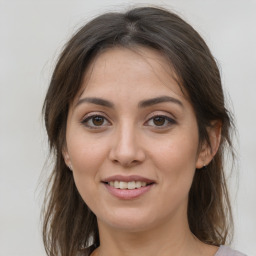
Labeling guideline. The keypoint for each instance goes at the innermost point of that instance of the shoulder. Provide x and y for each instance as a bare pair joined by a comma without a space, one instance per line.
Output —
226,251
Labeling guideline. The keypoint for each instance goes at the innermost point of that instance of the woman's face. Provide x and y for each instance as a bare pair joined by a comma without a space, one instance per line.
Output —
132,141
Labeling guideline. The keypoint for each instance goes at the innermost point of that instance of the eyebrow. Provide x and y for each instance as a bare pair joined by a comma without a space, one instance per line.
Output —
97,101
157,100
142,104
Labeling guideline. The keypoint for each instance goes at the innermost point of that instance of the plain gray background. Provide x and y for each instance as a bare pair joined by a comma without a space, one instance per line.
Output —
32,34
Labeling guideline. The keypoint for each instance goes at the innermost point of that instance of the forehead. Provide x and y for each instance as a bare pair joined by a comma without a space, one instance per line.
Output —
136,68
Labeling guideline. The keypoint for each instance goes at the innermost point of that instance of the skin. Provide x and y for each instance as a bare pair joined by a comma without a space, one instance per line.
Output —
128,139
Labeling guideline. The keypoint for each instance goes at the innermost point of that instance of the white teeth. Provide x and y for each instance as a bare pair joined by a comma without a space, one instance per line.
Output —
116,184
131,185
143,183
127,185
123,185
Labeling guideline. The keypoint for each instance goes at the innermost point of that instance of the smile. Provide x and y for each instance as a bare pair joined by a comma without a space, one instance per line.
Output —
127,185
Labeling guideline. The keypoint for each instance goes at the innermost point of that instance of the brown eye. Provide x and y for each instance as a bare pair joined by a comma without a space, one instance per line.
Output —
159,120
95,122
98,120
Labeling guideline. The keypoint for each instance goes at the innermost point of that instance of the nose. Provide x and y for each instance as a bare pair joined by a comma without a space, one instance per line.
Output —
126,147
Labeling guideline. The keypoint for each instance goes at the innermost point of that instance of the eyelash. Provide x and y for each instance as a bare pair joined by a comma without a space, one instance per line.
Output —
167,121
88,119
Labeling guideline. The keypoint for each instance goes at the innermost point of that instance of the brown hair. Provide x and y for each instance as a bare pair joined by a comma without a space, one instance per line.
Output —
69,225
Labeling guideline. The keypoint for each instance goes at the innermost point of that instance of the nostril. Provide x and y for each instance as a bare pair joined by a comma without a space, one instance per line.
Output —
125,163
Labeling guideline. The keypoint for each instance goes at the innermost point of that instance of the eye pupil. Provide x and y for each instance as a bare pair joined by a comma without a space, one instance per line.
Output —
159,120
97,120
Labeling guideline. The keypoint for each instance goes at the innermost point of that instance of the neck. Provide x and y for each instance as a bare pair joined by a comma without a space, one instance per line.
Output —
167,239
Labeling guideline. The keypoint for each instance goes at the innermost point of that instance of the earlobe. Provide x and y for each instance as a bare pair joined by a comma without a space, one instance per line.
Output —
208,151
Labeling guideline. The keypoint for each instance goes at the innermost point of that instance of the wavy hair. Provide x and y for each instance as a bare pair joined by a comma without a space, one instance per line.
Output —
69,226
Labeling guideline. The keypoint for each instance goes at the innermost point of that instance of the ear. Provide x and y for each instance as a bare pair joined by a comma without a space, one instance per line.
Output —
66,157
207,152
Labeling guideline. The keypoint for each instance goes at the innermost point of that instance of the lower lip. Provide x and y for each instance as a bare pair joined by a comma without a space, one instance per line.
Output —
127,194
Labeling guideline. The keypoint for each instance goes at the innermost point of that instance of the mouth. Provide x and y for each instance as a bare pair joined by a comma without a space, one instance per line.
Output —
128,187
128,182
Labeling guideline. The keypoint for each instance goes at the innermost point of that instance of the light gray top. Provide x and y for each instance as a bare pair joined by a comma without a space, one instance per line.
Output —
226,251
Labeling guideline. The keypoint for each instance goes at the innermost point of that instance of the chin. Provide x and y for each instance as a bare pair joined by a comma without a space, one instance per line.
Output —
128,220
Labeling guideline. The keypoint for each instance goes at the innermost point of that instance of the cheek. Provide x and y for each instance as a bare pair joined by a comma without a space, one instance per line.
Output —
86,162
85,152
87,157
176,161
176,151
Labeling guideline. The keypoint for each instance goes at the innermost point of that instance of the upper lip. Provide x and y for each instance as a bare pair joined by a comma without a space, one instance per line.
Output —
127,178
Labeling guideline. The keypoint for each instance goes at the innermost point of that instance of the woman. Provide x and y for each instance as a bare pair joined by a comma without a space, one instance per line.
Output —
137,123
